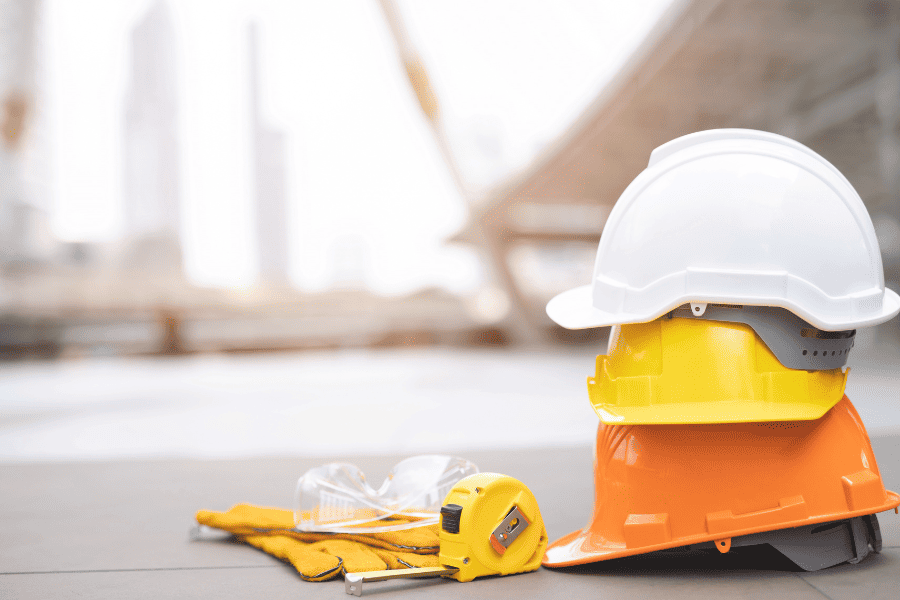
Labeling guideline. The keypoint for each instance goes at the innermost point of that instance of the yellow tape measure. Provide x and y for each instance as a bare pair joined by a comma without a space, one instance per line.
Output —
490,525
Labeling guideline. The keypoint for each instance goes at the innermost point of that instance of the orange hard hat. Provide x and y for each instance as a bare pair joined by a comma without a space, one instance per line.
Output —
665,486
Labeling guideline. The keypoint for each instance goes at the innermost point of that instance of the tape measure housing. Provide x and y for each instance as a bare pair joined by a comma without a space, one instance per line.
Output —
492,505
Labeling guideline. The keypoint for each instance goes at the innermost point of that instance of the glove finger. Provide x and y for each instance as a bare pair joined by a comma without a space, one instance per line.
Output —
356,557
422,545
421,540
406,560
246,519
311,564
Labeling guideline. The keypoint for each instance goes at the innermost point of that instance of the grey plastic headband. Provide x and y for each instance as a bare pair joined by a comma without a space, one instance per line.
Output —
794,342
813,547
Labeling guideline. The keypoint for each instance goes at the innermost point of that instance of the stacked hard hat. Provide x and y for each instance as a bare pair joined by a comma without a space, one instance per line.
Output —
734,271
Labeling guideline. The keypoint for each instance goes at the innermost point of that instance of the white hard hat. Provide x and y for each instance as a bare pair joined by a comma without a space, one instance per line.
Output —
735,216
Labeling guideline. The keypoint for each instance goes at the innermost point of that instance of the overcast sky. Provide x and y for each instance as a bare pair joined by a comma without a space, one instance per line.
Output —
363,169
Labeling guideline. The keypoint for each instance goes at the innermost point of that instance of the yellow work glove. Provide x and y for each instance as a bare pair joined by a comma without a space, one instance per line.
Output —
321,556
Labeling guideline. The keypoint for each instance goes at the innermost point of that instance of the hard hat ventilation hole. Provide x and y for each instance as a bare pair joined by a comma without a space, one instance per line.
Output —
812,332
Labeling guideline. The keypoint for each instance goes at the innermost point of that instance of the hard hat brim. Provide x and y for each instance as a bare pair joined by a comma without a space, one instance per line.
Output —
574,309
702,413
585,546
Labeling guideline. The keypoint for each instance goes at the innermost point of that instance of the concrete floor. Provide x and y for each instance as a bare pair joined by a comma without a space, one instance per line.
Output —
119,529
104,463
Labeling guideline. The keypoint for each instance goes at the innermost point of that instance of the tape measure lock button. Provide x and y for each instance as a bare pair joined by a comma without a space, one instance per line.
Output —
450,516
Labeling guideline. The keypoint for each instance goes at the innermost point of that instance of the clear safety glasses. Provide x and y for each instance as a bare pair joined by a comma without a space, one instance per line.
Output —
337,498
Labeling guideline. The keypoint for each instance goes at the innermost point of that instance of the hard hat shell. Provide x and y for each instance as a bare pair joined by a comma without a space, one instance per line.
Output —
735,216
665,486
686,370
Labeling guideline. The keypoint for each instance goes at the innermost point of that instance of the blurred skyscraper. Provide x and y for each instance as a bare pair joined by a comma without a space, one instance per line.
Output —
24,225
269,179
151,153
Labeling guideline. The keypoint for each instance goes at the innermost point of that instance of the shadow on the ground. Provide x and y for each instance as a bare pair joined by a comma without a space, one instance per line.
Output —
686,562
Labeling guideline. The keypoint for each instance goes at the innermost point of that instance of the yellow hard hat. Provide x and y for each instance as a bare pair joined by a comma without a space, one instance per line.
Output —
686,370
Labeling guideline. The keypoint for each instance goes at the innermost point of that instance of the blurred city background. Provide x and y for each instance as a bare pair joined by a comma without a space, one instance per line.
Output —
240,227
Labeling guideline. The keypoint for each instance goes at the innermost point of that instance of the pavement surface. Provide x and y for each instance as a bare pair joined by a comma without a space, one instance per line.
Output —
103,464
120,529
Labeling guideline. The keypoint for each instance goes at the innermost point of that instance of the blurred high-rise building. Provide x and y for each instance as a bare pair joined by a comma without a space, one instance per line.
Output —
24,226
269,179
151,153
